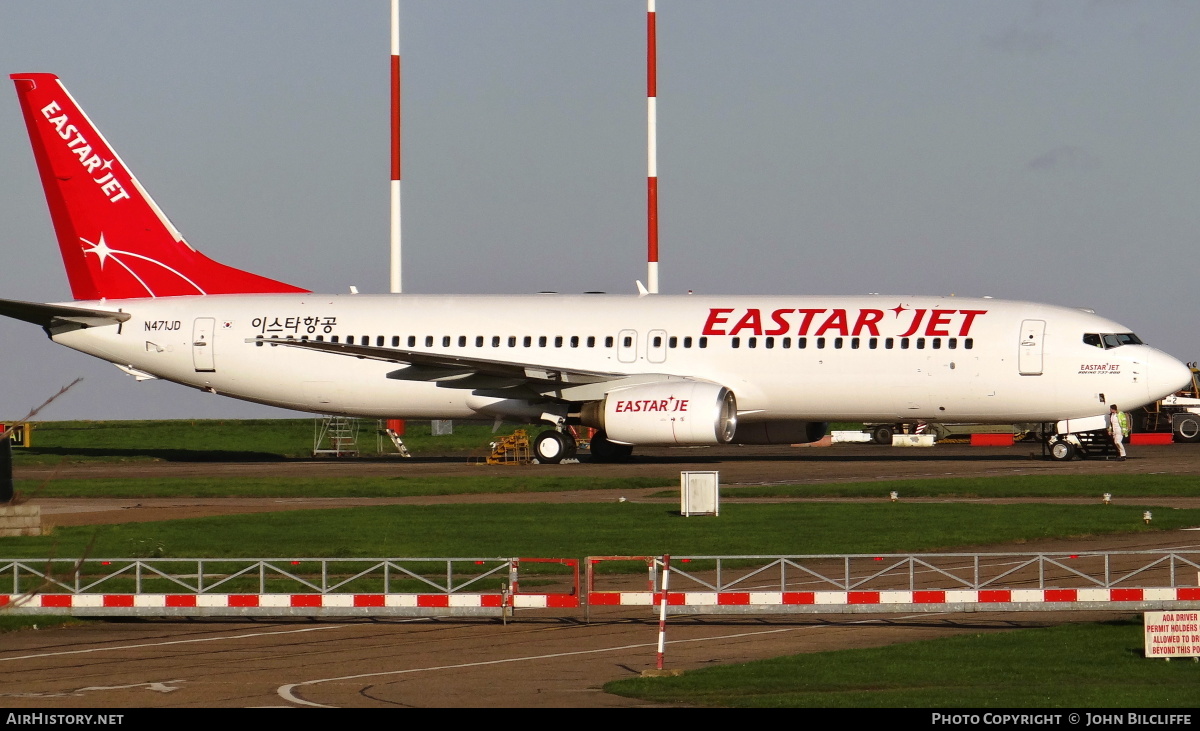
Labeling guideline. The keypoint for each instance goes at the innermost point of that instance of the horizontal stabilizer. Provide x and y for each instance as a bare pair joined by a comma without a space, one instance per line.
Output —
58,316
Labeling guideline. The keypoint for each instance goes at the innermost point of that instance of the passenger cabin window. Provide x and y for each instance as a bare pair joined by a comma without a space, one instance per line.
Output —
412,341
495,341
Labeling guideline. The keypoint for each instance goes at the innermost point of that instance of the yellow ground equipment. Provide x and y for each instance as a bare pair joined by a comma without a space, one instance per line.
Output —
511,450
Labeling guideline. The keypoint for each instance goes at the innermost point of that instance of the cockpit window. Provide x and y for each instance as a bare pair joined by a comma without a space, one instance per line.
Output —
1111,340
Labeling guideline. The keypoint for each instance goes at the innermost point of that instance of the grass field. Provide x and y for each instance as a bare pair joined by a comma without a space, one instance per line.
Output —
211,440
577,530
1074,665
331,487
1123,486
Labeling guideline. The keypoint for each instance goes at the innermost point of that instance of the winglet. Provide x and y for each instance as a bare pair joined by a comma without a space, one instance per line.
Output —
642,291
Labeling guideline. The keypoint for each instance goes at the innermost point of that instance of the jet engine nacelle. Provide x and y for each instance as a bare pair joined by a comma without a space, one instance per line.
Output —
674,412
780,432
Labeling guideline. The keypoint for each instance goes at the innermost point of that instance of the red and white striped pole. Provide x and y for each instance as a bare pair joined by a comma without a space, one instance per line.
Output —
662,609
395,126
652,150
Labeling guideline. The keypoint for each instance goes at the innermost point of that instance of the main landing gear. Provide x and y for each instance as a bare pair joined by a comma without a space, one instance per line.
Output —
553,446
606,451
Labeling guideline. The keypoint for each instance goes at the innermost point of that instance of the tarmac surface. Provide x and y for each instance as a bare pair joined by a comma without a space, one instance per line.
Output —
536,660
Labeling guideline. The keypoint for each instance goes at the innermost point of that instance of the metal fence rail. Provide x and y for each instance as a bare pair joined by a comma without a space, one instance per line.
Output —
298,586
949,571
817,584
857,583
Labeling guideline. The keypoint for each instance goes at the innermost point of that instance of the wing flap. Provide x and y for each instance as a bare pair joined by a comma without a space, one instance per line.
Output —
449,369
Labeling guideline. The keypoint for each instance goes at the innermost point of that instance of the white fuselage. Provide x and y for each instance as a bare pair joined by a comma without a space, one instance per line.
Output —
785,358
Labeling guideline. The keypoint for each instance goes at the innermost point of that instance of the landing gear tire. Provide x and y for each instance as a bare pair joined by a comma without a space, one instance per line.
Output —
882,435
606,451
553,446
1062,451
1187,430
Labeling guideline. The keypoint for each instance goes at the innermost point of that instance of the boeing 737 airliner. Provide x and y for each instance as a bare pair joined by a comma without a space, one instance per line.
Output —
643,370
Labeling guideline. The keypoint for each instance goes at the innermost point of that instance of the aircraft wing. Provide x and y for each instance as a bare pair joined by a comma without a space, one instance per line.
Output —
57,317
456,371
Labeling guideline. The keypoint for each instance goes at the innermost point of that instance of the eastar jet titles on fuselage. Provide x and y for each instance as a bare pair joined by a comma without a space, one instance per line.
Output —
641,369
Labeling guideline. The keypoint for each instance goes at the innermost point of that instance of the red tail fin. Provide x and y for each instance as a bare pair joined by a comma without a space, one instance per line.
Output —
115,242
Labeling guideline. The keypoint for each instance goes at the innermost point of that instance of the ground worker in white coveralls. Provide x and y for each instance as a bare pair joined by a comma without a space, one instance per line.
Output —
1118,427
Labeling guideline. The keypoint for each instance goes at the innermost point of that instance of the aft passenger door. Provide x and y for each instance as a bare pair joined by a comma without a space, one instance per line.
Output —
202,344
1029,358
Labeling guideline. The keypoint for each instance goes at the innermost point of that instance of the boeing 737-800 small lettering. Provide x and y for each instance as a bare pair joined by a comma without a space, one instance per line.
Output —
686,370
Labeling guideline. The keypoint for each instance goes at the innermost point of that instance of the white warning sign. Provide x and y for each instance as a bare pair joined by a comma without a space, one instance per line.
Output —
1172,634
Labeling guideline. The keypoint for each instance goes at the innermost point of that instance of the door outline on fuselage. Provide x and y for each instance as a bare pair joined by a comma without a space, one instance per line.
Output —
203,357
627,346
656,353
1029,356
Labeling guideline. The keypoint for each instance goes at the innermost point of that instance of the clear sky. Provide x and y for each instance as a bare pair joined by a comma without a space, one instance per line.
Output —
1020,149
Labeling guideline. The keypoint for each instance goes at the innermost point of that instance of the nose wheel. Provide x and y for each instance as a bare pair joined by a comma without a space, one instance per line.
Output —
553,446
1062,451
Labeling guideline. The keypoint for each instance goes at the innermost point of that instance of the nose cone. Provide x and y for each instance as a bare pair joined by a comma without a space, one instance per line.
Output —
1165,375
